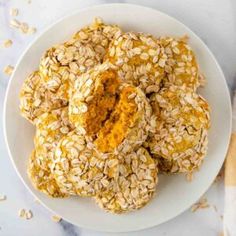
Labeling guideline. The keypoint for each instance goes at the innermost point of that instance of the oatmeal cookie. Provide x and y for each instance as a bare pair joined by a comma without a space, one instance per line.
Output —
135,185
182,124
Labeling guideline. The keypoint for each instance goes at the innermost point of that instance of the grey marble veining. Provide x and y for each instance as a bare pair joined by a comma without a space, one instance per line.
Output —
213,20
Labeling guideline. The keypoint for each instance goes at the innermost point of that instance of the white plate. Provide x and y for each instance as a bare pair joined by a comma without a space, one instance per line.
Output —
175,194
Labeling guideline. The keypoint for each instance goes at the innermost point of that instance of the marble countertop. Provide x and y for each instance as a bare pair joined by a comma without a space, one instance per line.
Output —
213,20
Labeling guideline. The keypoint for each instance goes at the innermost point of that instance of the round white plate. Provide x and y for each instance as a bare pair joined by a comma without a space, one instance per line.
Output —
175,194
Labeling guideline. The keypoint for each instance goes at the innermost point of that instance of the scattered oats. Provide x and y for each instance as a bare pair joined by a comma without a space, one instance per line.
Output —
56,218
21,213
3,197
28,215
32,30
8,69
201,204
15,24
24,27
7,43
14,11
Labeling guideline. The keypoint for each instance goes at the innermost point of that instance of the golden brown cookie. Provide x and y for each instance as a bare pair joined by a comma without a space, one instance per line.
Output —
36,99
141,60
181,132
134,186
50,128
79,168
116,115
181,66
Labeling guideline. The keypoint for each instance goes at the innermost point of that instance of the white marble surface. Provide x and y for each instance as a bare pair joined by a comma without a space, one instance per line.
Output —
213,20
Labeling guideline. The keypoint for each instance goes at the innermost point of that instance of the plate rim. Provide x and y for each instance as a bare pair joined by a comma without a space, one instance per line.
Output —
75,12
